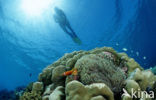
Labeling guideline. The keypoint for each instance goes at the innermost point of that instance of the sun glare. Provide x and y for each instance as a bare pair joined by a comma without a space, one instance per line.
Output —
36,7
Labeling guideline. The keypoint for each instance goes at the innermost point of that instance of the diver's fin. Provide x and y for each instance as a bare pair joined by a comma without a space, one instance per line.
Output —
77,40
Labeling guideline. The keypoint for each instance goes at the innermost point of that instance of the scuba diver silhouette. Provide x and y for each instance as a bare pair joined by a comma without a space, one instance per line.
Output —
62,20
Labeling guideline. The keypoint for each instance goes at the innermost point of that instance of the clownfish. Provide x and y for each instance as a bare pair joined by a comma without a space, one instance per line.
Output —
73,72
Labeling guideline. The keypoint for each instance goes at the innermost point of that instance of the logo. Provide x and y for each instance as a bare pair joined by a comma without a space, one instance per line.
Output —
138,94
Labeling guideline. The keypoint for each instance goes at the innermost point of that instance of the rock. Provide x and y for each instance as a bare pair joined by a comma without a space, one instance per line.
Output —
57,94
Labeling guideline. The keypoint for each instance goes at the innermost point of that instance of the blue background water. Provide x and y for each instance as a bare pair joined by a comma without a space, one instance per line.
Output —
30,43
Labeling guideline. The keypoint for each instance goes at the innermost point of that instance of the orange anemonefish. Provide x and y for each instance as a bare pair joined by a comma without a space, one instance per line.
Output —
68,73
71,72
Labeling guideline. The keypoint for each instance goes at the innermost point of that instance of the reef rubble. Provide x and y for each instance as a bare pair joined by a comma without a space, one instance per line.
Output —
98,74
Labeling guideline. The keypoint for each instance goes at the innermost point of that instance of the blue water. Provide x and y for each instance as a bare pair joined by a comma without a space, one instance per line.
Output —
30,43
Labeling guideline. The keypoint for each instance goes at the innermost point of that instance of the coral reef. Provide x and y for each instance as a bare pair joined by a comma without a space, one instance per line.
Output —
12,94
33,95
144,78
57,94
7,95
95,68
98,74
140,82
37,86
77,91
153,69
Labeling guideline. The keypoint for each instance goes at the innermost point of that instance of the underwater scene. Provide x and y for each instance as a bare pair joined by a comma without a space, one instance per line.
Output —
77,49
